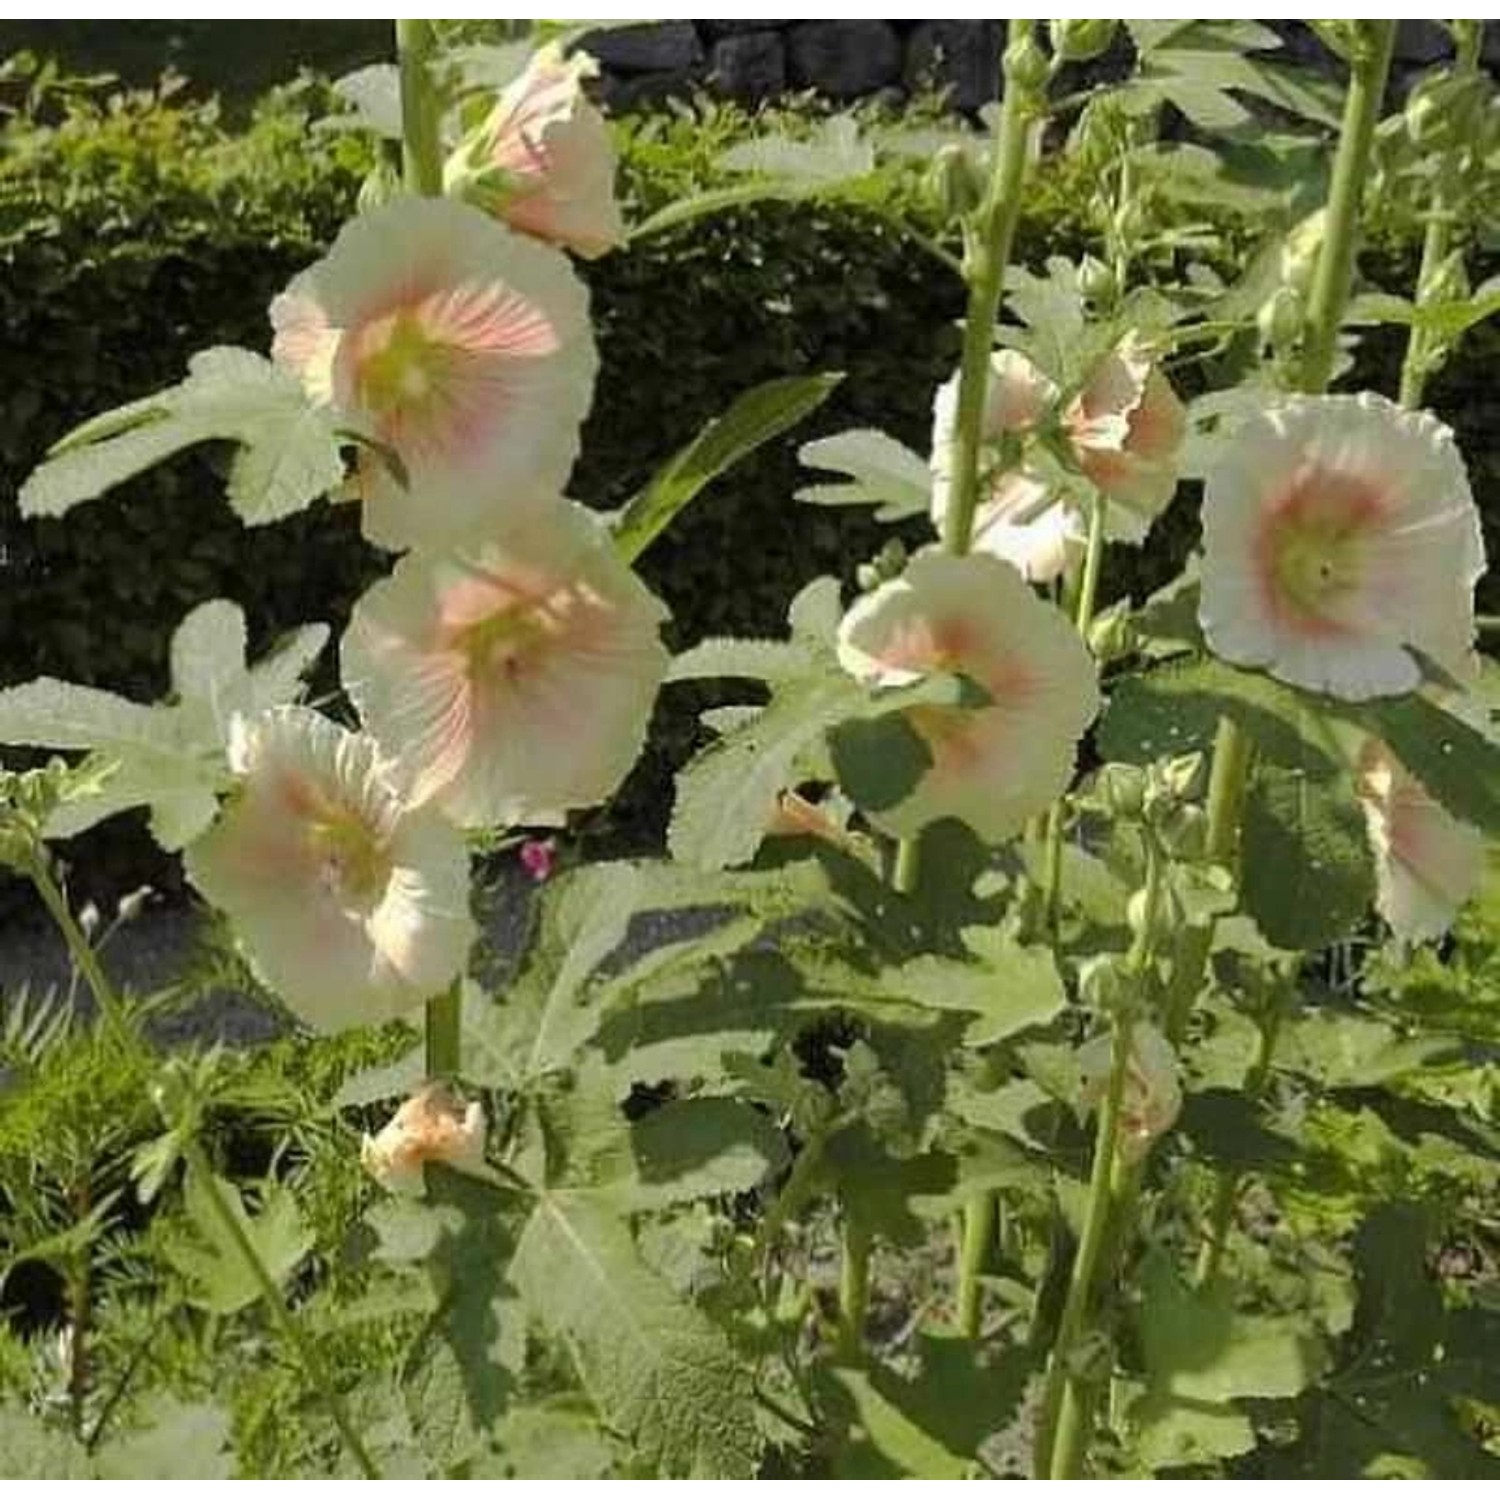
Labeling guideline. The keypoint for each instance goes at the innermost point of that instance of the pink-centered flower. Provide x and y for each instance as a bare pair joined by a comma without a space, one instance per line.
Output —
1339,535
1427,862
1127,428
997,765
543,160
1016,517
432,1126
461,348
1152,1097
515,679
350,904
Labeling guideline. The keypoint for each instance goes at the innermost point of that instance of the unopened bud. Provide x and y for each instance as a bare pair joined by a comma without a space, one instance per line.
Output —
867,576
1122,789
1095,279
133,904
1300,251
953,184
1102,982
381,185
1112,633
1184,832
1080,40
1281,319
1026,65
891,559
88,919
1152,1096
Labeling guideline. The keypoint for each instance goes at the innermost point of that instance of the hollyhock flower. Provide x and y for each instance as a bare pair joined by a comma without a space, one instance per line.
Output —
515,679
795,816
1127,427
463,349
1427,862
543,160
1152,1098
997,765
432,1126
1015,518
538,858
1339,534
353,907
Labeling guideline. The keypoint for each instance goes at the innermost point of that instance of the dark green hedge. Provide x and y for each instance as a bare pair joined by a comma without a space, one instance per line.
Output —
134,234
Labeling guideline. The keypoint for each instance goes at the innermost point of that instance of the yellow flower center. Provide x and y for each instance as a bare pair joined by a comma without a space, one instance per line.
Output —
403,368
353,862
503,641
1314,547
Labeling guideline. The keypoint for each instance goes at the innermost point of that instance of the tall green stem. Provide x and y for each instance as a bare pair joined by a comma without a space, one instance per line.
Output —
1061,1428
80,949
307,1354
422,173
854,1289
989,245
979,1219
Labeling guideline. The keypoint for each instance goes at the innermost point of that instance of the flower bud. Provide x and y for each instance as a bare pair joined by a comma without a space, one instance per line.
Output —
133,904
953,184
1095,279
1152,1097
382,185
1078,40
1280,320
867,576
1301,248
1026,65
1122,789
1103,984
88,919
1183,830
891,559
1112,633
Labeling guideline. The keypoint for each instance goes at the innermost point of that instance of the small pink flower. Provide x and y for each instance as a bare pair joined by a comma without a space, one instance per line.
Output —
1127,427
538,857
1152,1098
543,160
351,905
462,348
512,681
996,766
1427,863
1338,534
432,1126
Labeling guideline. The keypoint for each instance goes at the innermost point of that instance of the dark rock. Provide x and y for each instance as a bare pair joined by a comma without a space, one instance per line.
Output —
1422,42
844,59
750,66
735,28
658,46
632,91
962,57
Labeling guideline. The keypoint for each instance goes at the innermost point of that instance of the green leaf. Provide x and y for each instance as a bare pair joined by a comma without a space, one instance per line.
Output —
178,1441
757,416
835,154
220,1277
289,452
1308,875
878,761
882,472
31,1448
726,794
661,1374
756,660
555,1438
698,1148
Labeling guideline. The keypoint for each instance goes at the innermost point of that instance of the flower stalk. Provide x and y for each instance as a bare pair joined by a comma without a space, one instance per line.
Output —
422,174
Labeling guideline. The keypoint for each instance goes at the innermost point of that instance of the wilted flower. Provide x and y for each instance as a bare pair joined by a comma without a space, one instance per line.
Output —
432,1126
796,816
515,679
1427,862
1127,428
352,906
538,858
1152,1097
462,348
543,160
997,765
1338,534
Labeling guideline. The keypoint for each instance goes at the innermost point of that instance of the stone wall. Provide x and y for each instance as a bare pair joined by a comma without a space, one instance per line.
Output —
752,61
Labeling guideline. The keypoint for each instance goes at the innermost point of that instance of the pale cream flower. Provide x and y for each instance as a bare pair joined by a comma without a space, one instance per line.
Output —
462,348
1427,862
1339,535
352,906
432,1126
543,160
513,680
994,766
1152,1097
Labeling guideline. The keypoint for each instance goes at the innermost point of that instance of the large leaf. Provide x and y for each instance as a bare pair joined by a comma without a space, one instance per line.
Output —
1308,875
289,449
755,418
881,472
661,1374
219,1275
698,1148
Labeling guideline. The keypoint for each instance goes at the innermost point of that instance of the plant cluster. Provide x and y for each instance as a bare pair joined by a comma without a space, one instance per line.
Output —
1014,941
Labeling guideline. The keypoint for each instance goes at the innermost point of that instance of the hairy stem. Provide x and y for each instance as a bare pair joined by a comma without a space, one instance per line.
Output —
979,1220
306,1351
444,1032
